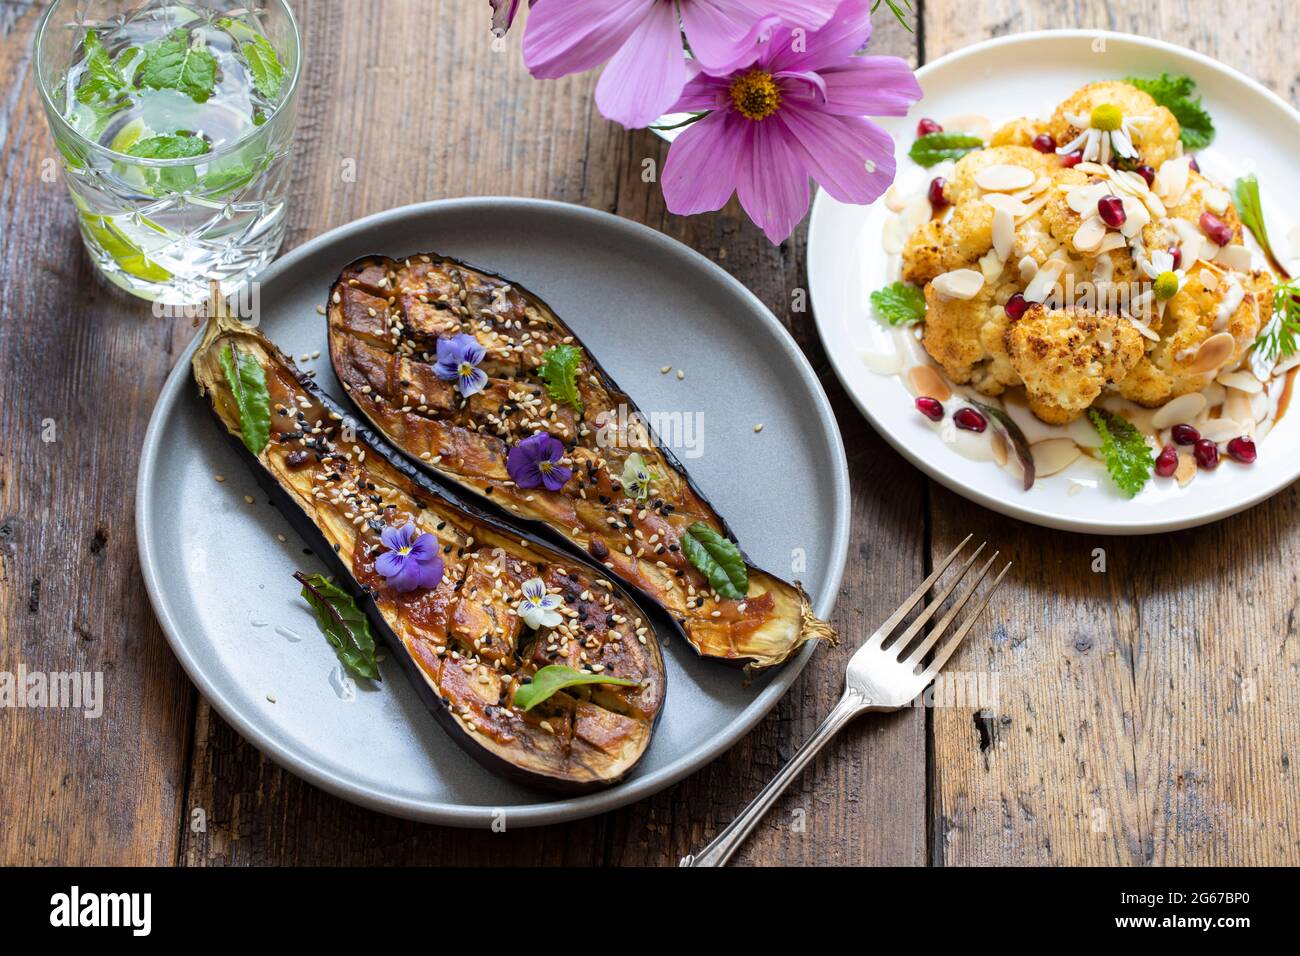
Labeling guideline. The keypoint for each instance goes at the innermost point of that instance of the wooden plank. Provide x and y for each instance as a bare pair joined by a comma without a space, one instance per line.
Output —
488,128
80,366
1148,712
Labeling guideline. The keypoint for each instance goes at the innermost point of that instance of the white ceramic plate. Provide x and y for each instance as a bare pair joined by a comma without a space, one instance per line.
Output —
1027,75
219,569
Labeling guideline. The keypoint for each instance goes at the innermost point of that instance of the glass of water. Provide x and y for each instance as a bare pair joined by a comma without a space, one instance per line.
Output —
174,126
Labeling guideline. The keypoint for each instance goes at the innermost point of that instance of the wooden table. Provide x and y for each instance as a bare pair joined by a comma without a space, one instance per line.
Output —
1149,713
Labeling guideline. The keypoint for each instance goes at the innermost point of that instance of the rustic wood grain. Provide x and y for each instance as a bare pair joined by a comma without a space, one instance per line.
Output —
1149,711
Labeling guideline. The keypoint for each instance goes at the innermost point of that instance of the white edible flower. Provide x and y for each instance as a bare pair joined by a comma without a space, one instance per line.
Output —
1105,130
538,608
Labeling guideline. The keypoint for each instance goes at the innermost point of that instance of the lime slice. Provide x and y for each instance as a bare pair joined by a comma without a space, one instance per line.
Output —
129,135
129,257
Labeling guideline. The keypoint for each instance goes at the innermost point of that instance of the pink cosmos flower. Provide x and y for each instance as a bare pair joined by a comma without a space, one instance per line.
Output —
795,108
642,42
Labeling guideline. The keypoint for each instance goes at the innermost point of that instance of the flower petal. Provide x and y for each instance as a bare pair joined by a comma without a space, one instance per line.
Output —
391,536
531,616
723,33
847,32
556,477
428,574
871,86
549,618
549,602
700,173
534,589
572,36
773,182
473,383
390,563
647,74
424,547
850,156
703,92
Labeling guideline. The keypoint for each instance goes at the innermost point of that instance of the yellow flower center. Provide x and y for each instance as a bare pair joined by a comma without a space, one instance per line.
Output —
466,369
403,550
545,467
756,95
1166,285
1106,117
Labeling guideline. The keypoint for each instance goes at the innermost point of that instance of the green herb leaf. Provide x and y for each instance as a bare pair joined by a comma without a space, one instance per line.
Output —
178,64
169,146
637,476
896,10
218,182
1126,452
104,81
899,303
1178,95
247,383
717,559
556,677
264,65
936,147
1245,196
342,622
559,370
1280,336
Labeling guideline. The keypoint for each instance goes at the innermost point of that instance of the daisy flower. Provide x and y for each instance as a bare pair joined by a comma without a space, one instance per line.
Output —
538,608
1166,282
1105,130
794,109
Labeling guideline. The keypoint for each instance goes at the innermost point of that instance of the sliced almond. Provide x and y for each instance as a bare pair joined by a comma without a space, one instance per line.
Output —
1184,408
1237,258
926,381
1216,200
1209,279
1208,251
1087,238
1004,178
1000,201
1213,352
1083,199
1186,470
1032,207
1136,216
895,198
961,284
1241,381
1171,180
1040,287
1053,455
883,363
1004,233
1215,395
1028,268
916,213
991,266
998,445
981,126
1112,241
891,236
1237,408
1220,429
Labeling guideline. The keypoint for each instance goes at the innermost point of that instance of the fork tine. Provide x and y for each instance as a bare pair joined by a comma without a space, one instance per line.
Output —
905,608
914,628
942,656
939,629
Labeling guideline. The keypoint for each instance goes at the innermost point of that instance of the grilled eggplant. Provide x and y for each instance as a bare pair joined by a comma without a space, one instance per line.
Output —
386,322
463,643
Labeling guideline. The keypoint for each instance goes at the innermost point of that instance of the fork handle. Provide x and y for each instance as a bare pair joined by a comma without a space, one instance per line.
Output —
733,835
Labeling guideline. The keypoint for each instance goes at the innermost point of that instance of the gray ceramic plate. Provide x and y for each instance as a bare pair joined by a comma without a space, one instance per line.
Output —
219,576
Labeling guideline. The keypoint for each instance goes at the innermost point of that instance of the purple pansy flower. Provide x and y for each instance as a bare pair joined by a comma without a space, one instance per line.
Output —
538,608
458,359
642,41
792,111
411,561
536,461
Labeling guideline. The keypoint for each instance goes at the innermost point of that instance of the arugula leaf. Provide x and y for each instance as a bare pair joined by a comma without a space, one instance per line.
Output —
1278,339
344,624
936,147
899,303
717,559
1245,196
559,370
264,65
104,81
247,383
556,677
1177,94
1126,452
178,64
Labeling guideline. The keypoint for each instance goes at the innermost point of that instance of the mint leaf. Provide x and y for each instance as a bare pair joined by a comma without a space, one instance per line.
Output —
1245,196
178,64
221,181
899,303
168,146
1125,450
559,370
717,559
264,65
556,677
342,622
1177,94
247,381
936,147
104,82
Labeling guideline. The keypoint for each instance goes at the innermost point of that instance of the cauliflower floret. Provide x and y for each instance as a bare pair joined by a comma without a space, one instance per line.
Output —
923,253
1067,356
1201,196
1062,221
961,185
965,337
1018,132
1191,317
1157,137
943,245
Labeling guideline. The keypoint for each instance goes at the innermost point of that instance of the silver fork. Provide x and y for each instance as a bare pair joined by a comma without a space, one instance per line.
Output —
878,678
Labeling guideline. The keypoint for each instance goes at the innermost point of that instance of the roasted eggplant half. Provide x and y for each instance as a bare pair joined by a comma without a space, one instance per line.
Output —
482,385
472,640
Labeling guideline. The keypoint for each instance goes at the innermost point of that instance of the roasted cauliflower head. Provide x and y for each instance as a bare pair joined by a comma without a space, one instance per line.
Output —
965,337
1157,131
1066,357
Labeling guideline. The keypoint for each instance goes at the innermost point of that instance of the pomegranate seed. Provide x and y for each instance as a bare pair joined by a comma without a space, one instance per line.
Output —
1214,227
1177,253
1045,143
1243,450
970,420
1167,461
1016,306
1207,454
1148,173
928,126
1072,159
1194,165
1111,210
931,408
1185,435
937,199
